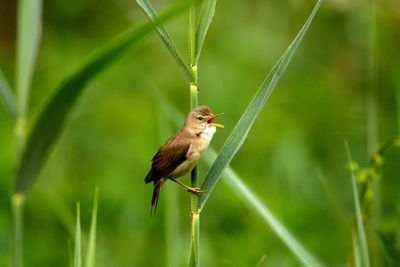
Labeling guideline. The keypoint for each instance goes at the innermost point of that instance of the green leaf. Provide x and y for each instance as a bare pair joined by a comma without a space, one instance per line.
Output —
78,239
239,133
356,251
236,184
91,252
360,226
165,37
7,97
51,120
28,39
205,18
251,200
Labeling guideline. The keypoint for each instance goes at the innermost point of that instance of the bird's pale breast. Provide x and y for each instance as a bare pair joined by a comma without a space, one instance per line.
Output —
196,148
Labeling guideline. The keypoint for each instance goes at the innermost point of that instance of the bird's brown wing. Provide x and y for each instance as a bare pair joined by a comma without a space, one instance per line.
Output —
168,157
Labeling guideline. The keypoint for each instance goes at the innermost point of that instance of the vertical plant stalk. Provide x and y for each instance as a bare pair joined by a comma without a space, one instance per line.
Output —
195,240
78,238
17,203
28,39
358,226
195,216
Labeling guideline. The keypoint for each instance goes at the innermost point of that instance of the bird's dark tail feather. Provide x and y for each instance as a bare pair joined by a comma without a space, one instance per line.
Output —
151,176
156,193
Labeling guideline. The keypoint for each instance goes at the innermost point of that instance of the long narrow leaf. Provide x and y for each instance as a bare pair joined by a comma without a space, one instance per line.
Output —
165,37
205,18
360,226
28,39
236,184
356,251
239,133
248,197
7,97
50,122
78,238
91,251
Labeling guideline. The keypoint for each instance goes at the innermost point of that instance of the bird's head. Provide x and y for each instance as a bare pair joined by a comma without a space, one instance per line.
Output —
200,119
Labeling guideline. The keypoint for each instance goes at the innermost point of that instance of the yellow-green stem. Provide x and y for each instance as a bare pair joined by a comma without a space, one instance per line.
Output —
193,95
18,200
192,32
20,134
195,240
17,203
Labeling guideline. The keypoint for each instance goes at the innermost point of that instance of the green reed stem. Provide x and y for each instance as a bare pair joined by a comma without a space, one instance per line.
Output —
195,240
195,216
17,203
192,32
194,102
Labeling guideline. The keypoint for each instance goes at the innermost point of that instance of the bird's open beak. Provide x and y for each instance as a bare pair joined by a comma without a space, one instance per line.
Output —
209,121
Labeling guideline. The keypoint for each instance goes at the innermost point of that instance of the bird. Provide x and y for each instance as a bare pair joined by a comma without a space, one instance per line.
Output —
181,152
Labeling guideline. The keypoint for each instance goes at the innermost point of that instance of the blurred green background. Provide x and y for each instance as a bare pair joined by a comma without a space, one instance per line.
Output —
343,83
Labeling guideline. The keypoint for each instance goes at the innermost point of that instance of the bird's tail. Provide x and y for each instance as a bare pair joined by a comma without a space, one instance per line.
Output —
156,193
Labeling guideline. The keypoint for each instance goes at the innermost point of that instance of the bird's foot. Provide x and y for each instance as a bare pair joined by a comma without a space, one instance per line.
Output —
196,190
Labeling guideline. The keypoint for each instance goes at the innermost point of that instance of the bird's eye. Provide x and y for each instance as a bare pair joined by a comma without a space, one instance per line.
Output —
200,118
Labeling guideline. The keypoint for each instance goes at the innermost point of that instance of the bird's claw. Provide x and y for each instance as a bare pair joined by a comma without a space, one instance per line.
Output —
196,190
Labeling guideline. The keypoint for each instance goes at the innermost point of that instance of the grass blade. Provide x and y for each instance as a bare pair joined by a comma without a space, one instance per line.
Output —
50,122
205,18
78,239
165,37
360,226
28,38
239,133
91,252
17,204
250,199
236,184
7,97
356,251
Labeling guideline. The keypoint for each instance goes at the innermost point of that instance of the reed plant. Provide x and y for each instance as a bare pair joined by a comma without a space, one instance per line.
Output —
197,32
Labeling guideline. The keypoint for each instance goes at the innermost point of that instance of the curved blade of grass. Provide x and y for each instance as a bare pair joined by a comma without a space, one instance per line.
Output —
78,238
250,199
165,37
28,38
360,226
7,97
91,252
205,18
51,120
239,133
356,251
236,184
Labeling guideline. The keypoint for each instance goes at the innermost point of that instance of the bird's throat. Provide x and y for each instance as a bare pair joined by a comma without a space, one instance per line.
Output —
206,136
